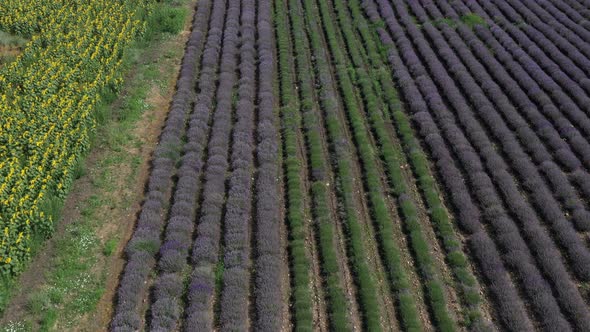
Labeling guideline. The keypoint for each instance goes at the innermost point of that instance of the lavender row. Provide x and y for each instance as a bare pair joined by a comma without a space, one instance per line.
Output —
554,15
145,242
520,87
562,154
567,293
543,116
484,189
169,286
548,256
485,85
269,248
574,10
560,117
510,307
206,248
518,255
570,45
237,265
570,60
562,100
565,28
551,67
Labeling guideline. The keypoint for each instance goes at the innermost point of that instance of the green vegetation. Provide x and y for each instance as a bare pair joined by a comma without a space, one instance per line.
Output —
10,47
110,246
439,216
291,121
7,39
472,19
323,216
71,286
365,280
393,164
167,18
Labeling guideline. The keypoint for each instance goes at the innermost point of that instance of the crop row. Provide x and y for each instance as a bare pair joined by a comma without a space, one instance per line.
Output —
550,260
269,290
546,205
168,289
207,247
574,51
546,68
547,254
526,94
418,160
294,168
572,9
567,293
407,207
219,285
145,243
234,300
497,100
324,217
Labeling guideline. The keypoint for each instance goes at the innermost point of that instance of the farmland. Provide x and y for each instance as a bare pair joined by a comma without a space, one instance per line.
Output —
339,165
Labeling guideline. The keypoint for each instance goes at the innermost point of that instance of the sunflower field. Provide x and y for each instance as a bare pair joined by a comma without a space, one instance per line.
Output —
47,98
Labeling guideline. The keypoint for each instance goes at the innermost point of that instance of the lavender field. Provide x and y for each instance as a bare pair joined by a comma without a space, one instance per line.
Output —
340,165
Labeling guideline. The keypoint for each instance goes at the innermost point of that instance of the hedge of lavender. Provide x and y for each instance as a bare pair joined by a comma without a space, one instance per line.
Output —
564,40
527,137
467,285
522,103
269,292
483,188
545,203
169,285
206,247
568,295
546,56
560,19
235,293
567,39
573,10
143,247
511,307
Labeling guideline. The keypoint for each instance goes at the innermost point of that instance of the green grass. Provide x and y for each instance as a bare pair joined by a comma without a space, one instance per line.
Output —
110,246
470,19
473,19
72,288
7,39
12,43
